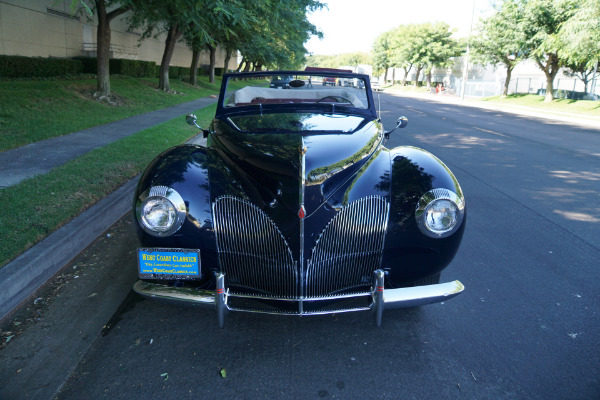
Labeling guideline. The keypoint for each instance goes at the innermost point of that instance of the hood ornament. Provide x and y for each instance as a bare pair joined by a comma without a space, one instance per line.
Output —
303,150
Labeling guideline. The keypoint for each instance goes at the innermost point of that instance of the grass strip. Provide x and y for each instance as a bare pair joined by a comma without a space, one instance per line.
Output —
39,206
582,107
31,111
534,101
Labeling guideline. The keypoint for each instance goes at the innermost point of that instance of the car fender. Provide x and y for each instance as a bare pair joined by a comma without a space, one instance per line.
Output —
410,255
184,168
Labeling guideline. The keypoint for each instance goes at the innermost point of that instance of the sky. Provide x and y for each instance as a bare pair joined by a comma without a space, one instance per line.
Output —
352,25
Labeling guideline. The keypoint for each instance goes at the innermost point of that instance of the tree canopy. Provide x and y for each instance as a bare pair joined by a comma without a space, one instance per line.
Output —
500,39
423,46
552,33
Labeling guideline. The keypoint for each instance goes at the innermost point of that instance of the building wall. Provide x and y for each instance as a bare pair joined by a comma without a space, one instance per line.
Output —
47,28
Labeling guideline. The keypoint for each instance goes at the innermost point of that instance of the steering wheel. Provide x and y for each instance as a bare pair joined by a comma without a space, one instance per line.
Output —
337,99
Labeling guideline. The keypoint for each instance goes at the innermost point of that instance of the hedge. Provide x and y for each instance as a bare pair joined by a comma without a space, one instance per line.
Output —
35,67
134,68
120,66
177,72
38,67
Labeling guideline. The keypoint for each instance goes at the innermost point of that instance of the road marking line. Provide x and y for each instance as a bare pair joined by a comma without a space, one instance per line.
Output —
492,132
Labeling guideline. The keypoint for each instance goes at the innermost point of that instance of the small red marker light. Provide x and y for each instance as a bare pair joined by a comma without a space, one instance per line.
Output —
302,212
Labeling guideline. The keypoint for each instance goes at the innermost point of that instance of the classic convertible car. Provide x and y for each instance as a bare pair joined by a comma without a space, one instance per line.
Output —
295,207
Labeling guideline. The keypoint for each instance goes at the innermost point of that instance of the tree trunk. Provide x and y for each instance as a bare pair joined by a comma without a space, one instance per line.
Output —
194,67
239,68
102,50
406,71
385,75
247,66
393,76
509,69
419,68
211,67
429,80
550,69
227,59
103,34
163,78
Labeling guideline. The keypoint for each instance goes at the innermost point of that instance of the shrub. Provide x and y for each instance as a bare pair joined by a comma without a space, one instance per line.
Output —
134,68
37,67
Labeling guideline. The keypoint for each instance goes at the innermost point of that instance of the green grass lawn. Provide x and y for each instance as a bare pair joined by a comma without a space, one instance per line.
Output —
38,206
583,107
31,111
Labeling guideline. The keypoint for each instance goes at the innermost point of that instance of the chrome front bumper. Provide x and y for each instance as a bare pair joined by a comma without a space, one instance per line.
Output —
380,298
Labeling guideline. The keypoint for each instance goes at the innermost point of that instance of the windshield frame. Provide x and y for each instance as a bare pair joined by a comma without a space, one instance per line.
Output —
224,112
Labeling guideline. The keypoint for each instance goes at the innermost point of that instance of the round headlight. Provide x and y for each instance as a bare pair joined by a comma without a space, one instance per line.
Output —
441,216
161,211
440,213
158,214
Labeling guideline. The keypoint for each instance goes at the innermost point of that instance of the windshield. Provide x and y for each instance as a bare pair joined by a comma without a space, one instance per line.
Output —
264,90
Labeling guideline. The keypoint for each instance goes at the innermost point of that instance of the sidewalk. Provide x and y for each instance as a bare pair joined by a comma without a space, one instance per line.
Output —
40,157
28,272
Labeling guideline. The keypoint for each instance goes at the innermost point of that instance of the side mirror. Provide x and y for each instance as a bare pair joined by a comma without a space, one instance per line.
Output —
191,119
402,122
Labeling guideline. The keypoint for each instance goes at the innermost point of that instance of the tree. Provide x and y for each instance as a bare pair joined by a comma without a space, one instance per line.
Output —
500,39
542,21
381,53
156,17
581,71
277,40
440,48
402,49
185,19
580,36
221,23
103,37
431,45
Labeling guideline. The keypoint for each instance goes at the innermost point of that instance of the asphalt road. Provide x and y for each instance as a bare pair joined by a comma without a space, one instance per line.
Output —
526,327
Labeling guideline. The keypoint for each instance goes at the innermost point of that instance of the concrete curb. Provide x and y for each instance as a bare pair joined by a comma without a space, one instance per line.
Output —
28,272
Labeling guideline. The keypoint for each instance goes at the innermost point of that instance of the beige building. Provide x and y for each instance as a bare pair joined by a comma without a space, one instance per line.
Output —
49,28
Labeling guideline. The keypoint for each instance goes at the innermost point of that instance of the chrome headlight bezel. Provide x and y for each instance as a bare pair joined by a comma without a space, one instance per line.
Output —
172,199
425,205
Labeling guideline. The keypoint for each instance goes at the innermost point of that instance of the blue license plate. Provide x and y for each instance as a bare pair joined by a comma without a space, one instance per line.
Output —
169,263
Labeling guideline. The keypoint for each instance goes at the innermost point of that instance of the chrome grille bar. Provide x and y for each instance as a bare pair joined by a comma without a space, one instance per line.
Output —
349,248
252,252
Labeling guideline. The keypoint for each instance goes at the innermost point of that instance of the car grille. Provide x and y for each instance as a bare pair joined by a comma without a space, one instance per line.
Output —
253,253
349,248
255,257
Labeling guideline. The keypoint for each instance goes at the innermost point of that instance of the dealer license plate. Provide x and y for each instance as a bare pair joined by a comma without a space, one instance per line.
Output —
155,263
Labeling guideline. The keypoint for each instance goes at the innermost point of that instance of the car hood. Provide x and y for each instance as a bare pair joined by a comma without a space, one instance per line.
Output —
296,159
